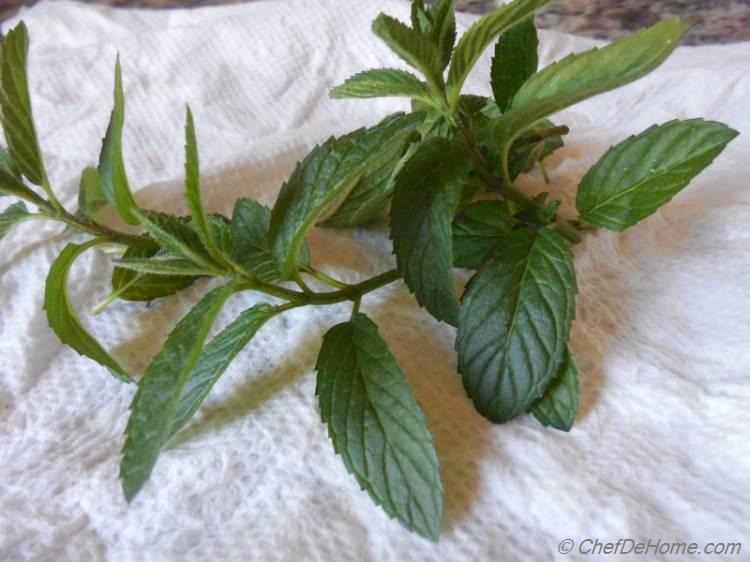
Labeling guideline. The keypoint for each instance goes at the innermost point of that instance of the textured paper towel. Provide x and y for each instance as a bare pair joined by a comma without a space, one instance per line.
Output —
661,338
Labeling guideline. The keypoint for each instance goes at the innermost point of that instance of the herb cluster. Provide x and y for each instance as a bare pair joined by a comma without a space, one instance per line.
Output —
446,171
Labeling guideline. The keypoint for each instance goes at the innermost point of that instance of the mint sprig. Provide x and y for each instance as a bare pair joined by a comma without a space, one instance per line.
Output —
447,172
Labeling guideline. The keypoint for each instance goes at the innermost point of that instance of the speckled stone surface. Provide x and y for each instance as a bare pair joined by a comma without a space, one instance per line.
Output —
714,21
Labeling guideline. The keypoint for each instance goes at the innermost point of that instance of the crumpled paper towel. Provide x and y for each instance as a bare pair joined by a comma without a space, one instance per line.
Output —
662,335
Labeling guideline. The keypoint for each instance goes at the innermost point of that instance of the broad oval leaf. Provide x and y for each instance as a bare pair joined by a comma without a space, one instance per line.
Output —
478,38
558,406
514,323
130,285
13,215
427,193
155,404
637,176
377,426
216,357
326,176
114,180
414,48
384,82
61,316
478,230
515,61
16,115
584,75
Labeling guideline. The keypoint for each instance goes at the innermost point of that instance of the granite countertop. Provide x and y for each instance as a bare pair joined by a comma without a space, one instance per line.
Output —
714,21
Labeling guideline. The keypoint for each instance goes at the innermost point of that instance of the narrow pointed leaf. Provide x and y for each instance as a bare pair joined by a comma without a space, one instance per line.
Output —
15,102
114,180
163,265
11,216
323,180
193,186
414,48
177,236
480,35
559,405
155,404
62,318
443,32
428,190
514,323
478,231
584,75
420,20
130,285
216,357
639,175
377,426
515,61
384,82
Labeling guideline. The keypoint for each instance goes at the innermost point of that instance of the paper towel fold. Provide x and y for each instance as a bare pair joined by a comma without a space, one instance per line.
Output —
661,335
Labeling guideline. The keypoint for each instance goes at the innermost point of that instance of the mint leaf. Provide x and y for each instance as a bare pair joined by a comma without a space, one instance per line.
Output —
639,175
215,359
428,190
11,216
250,225
514,323
155,404
10,179
193,188
114,180
368,199
559,404
443,32
377,426
61,316
163,265
132,286
515,60
479,36
321,183
478,230
414,48
420,19
90,195
527,149
584,75
15,102
177,236
384,82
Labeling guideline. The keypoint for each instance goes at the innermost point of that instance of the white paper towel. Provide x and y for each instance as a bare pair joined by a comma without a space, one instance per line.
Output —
662,334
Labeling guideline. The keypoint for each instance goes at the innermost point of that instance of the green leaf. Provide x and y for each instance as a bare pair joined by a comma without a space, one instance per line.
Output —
131,286
515,321
428,190
480,35
250,224
384,82
639,175
377,426
61,316
17,119
414,48
114,180
420,18
515,61
443,32
584,75
527,150
478,230
369,198
321,183
559,404
163,265
177,236
90,195
193,188
10,179
215,359
155,404
11,216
